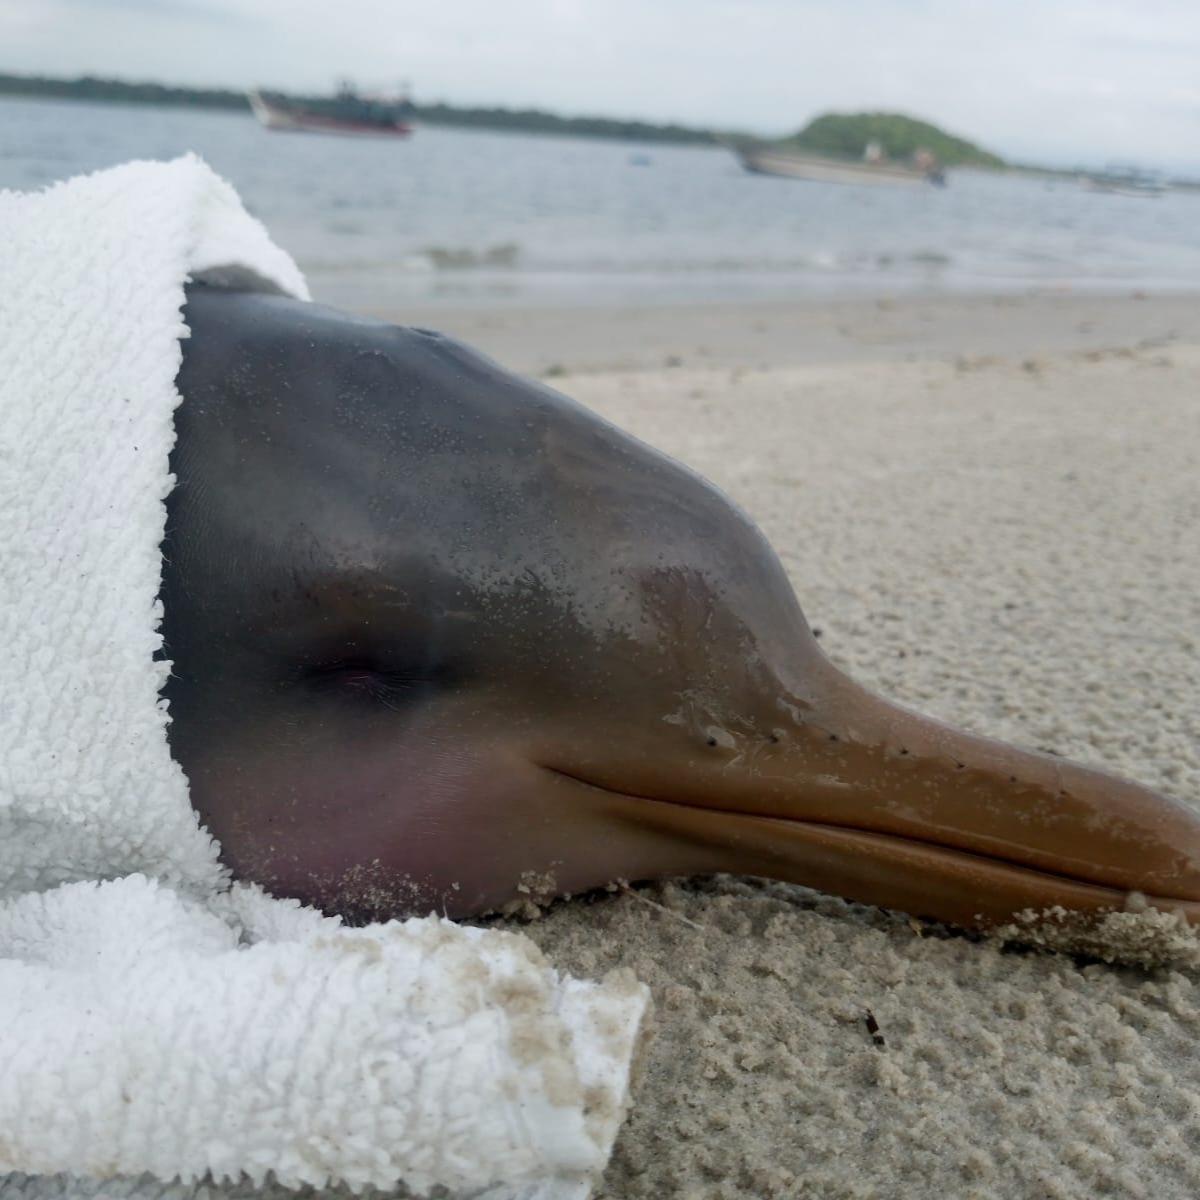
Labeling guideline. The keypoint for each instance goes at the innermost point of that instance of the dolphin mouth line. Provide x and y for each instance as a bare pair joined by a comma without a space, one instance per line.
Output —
855,838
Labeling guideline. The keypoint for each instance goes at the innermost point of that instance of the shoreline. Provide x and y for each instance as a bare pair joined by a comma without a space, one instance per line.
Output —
552,342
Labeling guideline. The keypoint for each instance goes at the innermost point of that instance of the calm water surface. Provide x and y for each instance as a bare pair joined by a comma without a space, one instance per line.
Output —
463,218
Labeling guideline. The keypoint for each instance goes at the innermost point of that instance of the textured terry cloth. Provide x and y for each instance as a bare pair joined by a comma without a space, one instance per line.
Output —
160,1029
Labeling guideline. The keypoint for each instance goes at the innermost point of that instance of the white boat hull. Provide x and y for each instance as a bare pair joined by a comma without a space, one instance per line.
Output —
826,170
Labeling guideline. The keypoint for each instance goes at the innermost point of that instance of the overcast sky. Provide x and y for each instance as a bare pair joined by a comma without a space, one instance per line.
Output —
1055,81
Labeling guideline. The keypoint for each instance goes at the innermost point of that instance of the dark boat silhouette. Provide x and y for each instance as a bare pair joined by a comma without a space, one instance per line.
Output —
347,112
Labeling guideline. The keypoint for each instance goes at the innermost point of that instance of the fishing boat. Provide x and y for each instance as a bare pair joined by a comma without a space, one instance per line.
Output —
765,159
347,112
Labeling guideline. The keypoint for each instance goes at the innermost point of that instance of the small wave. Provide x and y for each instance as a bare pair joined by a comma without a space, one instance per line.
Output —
510,260
819,263
425,261
463,258
884,260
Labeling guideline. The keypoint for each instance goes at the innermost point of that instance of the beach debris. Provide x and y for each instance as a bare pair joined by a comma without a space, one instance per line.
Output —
975,362
624,887
873,1029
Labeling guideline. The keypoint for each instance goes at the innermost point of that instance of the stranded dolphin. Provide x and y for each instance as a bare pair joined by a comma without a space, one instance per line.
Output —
440,634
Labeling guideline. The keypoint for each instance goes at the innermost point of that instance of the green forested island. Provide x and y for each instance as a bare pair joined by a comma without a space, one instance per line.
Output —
842,135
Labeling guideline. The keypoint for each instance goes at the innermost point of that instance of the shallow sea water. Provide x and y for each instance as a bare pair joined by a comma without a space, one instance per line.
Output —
459,218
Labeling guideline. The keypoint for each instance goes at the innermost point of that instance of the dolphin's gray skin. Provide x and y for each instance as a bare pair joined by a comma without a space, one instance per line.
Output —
440,635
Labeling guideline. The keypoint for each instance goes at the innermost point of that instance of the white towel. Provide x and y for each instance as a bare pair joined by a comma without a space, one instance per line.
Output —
157,1024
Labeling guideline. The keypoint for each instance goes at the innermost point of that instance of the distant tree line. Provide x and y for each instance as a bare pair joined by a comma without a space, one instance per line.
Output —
519,120
842,135
532,120
88,87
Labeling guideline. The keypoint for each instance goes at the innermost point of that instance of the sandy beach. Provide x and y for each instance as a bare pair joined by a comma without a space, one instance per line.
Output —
991,512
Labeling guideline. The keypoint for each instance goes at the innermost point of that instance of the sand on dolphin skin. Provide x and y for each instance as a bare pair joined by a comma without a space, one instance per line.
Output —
1011,544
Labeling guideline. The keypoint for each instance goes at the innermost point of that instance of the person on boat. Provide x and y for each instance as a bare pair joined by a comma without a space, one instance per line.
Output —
925,161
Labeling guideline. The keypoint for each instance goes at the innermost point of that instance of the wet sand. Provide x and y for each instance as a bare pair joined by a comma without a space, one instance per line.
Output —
991,512
776,334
